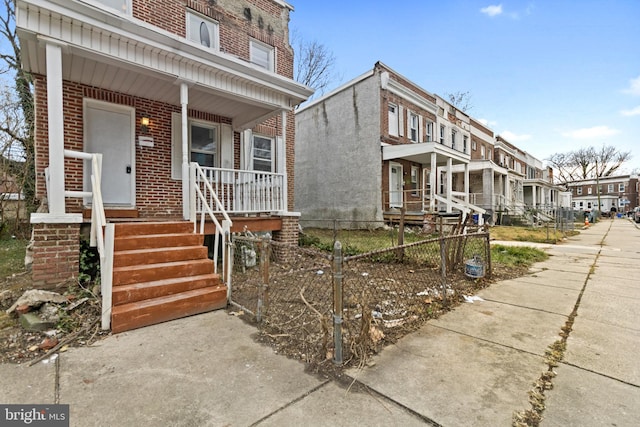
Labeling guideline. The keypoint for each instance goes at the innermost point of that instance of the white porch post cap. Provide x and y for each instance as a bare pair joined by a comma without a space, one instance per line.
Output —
48,218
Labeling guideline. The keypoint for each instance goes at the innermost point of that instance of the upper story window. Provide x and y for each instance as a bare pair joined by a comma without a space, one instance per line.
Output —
413,127
442,130
262,55
579,191
621,188
465,141
263,154
609,188
202,30
429,136
393,120
453,139
123,6
589,190
482,152
474,147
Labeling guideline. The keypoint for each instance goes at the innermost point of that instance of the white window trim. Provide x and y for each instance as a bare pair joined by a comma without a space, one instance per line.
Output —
126,3
413,132
273,151
255,45
176,143
211,24
393,119
621,188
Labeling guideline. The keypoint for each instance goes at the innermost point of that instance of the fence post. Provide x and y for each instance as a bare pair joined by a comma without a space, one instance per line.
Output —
264,283
337,302
443,268
488,272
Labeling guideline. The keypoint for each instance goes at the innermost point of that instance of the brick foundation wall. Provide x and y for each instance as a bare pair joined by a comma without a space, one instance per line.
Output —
56,253
288,236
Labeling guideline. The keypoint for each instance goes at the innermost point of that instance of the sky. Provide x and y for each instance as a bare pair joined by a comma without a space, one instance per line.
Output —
549,76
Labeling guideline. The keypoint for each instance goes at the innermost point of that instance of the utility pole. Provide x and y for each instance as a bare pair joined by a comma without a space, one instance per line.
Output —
598,189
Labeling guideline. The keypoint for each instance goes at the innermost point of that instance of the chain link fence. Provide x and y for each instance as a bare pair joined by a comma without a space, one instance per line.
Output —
324,307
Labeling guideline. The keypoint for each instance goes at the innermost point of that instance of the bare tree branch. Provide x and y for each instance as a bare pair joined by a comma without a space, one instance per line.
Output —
314,63
586,163
461,100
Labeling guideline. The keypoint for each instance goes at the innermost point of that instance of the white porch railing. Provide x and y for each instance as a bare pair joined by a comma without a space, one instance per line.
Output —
240,191
102,240
204,201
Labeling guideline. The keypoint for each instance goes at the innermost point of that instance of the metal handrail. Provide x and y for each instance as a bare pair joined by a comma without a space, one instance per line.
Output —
222,230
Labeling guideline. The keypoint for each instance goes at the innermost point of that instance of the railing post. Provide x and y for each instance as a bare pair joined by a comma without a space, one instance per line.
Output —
106,275
443,269
337,302
264,284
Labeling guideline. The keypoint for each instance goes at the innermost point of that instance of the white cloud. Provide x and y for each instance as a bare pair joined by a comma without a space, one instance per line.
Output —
634,87
492,10
512,137
595,132
488,123
632,112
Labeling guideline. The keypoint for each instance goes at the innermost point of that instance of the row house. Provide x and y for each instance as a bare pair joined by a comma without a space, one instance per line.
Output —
378,144
381,143
619,193
152,117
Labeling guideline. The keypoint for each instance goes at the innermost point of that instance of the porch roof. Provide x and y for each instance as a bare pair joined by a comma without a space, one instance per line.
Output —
421,153
124,54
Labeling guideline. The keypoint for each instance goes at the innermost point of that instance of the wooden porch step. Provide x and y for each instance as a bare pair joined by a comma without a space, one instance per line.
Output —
134,292
166,270
148,312
150,241
153,227
158,255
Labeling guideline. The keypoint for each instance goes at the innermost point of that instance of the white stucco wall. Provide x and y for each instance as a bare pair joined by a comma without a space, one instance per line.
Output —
338,156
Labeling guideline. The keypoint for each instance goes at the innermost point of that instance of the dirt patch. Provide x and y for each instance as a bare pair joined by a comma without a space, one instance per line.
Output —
76,326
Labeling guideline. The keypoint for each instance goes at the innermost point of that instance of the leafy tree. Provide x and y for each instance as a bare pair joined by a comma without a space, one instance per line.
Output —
586,163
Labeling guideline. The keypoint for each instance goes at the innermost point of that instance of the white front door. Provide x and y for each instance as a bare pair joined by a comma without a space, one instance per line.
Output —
109,129
395,185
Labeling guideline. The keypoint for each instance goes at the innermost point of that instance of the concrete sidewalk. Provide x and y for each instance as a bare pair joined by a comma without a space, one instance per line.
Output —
473,366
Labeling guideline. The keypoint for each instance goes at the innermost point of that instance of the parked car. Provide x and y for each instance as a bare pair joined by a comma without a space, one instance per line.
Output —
636,214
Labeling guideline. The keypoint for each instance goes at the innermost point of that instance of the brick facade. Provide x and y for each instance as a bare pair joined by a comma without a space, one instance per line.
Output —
56,253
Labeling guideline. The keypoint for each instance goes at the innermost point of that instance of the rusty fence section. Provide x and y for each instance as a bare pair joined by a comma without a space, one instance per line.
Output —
328,307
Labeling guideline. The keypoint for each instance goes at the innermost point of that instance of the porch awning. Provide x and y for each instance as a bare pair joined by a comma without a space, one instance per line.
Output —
421,153
126,55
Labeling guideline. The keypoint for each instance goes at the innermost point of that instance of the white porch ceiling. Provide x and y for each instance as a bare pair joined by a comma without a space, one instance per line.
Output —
421,153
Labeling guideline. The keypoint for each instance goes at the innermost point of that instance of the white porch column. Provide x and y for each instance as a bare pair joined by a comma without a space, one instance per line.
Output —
466,182
282,160
184,103
449,183
432,181
55,120
534,190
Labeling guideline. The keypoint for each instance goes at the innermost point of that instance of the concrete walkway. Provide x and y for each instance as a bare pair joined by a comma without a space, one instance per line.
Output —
473,366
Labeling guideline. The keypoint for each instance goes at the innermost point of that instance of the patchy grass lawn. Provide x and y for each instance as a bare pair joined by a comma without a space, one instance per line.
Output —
357,241
516,256
12,253
529,234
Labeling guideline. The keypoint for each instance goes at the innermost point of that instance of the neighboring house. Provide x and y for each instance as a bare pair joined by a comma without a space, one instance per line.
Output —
12,204
172,93
619,192
378,144
381,143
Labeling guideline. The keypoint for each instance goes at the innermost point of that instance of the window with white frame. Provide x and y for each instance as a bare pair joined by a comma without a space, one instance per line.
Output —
415,175
262,55
413,127
429,135
482,152
453,138
589,190
442,131
204,144
263,154
465,141
393,120
579,191
202,30
581,205
123,6
474,146
609,188
621,188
